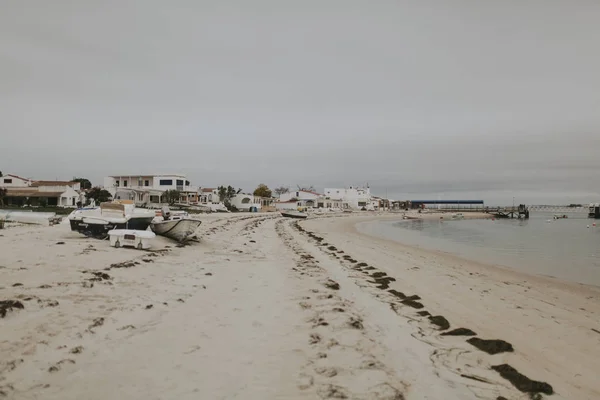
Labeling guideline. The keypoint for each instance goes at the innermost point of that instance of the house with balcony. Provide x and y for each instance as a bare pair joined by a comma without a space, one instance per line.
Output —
148,190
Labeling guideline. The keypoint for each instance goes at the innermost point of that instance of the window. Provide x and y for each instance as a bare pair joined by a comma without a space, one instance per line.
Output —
362,203
179,182
140,182
166,182
124,183
154,199
7,180
297,194
146,182
187,183
245,200
117,183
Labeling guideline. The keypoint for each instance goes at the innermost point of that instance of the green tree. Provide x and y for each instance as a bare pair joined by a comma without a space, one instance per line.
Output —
172,196
226,194
263,191
85,183
98,194
2,195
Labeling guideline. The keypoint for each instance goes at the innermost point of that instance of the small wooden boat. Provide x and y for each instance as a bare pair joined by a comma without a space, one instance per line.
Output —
294,214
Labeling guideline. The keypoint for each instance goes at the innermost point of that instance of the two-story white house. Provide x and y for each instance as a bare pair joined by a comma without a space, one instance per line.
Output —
356,198
149,189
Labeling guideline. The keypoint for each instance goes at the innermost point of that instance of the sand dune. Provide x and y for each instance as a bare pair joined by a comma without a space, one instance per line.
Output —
268,308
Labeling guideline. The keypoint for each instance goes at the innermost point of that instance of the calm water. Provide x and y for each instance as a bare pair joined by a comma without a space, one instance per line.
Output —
565,248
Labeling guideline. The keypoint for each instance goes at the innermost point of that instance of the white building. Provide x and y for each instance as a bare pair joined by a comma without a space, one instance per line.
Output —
14,181
355,198
209,196
246,202
328,203
149,189
299,195
22,192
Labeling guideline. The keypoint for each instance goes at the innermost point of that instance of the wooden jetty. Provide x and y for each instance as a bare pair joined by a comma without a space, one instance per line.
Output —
521,212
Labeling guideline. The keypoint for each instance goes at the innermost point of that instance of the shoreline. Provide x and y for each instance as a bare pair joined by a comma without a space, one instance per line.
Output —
268,307
486,302
461,258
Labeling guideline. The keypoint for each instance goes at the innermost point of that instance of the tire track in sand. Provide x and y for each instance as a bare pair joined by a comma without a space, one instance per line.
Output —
343,362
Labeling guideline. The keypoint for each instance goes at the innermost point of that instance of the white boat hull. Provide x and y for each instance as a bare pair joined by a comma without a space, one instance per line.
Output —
179,229
294,214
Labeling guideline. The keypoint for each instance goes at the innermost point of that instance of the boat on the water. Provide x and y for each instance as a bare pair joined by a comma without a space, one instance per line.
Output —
594,210
560,216
121,214
178,226
294,214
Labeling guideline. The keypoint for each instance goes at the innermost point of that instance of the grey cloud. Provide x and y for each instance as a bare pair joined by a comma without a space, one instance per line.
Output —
478,99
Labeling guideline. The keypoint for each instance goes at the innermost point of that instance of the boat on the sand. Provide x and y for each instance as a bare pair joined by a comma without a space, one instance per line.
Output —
179,227
121,214
294,214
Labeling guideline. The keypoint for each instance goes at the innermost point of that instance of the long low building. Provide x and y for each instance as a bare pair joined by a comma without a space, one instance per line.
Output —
453,204
44,193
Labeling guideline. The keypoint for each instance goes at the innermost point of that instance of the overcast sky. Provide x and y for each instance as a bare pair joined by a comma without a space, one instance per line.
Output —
457,99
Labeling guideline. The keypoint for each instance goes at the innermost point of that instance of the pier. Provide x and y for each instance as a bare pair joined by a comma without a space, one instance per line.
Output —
521,212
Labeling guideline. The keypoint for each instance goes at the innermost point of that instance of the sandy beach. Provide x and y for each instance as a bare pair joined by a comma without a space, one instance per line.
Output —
271,308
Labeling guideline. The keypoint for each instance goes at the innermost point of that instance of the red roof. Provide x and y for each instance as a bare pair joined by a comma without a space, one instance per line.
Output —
206,190
52,183
17,176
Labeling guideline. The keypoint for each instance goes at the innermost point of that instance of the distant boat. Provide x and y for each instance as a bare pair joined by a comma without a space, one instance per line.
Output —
560,216
294,214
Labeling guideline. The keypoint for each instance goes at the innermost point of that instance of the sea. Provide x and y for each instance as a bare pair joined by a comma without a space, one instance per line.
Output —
567,249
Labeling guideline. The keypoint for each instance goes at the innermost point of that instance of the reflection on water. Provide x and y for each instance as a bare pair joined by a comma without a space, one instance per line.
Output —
563,248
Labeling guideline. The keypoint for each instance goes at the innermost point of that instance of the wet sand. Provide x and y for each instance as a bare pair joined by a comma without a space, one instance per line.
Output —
271,308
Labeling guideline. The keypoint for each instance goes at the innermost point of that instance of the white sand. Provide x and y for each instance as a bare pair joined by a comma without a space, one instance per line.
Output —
232,318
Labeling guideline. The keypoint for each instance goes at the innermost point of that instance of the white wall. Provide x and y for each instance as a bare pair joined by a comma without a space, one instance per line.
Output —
299,195
354,197
8,181
154,182
210,197
68,198
244,202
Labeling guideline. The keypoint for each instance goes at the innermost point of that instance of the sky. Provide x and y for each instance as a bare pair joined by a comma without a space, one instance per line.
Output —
419,99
